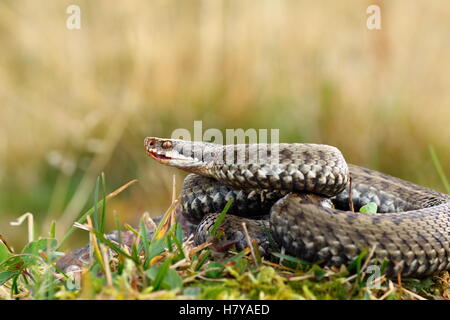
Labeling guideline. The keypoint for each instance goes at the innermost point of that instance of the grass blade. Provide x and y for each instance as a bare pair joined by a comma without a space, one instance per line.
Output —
99,204
440,171
145,243
161,273
220,218
103,215
95,214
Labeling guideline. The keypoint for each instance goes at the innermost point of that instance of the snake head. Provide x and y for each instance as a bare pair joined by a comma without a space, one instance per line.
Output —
182,154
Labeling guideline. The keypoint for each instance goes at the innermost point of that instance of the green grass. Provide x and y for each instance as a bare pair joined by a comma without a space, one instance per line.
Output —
166,267
439,170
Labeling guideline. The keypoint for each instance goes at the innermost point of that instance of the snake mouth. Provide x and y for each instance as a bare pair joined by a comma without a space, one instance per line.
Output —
164,158
158,156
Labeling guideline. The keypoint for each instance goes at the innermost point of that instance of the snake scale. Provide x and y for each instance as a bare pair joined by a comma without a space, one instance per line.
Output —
302,201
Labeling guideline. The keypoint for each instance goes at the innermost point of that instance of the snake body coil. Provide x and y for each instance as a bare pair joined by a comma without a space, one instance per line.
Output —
306,195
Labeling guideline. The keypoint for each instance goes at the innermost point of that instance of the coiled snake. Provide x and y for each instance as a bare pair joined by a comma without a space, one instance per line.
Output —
305,192
298,195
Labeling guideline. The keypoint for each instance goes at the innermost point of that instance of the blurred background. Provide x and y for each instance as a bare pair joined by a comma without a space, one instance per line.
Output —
74,103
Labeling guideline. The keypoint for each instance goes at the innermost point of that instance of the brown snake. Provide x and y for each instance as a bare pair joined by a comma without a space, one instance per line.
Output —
305,192
298,195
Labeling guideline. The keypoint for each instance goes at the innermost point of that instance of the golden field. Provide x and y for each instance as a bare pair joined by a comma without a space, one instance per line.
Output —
74,103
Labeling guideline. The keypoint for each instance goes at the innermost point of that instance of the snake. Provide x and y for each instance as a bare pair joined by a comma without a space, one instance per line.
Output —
305,198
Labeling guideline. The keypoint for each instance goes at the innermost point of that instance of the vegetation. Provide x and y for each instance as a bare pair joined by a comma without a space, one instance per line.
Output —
166,266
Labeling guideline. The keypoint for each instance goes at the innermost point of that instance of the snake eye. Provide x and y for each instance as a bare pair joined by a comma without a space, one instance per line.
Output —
167,145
